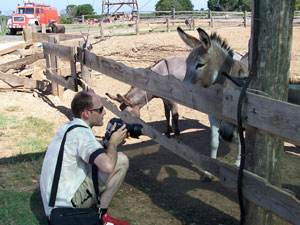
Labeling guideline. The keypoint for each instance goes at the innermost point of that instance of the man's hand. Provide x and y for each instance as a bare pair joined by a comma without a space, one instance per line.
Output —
118,136
107,162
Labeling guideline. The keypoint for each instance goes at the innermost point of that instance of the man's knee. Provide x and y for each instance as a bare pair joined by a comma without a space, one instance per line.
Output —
123,160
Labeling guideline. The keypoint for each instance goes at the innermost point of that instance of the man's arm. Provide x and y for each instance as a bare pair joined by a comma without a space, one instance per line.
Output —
106,161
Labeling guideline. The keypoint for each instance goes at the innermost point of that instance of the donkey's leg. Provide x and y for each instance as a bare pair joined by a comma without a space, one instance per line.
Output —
175,117
167,114
236,140
229,133
214,141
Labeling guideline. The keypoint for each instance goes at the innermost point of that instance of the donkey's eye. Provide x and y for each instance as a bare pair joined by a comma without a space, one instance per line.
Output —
199,65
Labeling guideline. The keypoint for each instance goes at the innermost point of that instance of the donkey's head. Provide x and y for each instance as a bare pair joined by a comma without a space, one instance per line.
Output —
132,101
210,57
52,23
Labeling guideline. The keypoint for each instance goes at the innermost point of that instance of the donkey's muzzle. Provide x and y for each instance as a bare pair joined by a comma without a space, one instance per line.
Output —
123,106
189,77
226,130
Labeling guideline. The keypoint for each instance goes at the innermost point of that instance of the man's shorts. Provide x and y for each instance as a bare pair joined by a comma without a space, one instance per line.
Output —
85,196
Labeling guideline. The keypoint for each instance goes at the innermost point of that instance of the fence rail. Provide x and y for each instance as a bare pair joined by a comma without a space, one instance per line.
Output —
161,21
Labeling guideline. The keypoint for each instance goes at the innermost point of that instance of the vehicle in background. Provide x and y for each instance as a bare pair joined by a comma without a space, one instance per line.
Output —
31,14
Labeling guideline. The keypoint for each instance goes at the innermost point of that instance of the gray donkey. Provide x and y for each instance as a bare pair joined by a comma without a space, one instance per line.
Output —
136,98
209,58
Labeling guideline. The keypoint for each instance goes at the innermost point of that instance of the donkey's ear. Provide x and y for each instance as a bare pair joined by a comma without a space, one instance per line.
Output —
204,38
125,100
114,98
188,39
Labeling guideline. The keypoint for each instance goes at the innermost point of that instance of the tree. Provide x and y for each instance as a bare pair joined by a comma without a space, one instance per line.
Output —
85,9
71,11
297,5
229,5
213,5
186,5
163,5
179,5
246,5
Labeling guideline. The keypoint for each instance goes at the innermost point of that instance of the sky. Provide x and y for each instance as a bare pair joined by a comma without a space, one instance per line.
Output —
144,5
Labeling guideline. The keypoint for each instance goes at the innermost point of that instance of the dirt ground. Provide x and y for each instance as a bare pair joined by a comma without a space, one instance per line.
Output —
160,187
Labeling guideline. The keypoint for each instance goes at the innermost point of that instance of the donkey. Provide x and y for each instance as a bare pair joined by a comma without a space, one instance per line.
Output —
189,22
136,98
56,28
210,57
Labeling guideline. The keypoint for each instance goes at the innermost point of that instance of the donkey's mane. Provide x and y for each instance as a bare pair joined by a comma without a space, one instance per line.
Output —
222,42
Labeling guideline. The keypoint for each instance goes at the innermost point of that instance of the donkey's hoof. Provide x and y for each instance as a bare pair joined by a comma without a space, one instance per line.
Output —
207,177
167,134
177,133
237,163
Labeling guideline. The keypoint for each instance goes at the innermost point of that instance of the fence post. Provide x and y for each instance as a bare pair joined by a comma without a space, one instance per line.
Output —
43,28
82,18
245,19
85,71
1,24
33,28
168,25
73,69
101,29
137,30
57,90
27,33
193,23
265,153
211,19
173,16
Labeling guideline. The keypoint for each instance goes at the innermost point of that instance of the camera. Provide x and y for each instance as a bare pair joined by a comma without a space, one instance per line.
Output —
134,129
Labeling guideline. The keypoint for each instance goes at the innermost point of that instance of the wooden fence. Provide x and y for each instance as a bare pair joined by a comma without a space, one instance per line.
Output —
169,20
261,112
160,21
276,118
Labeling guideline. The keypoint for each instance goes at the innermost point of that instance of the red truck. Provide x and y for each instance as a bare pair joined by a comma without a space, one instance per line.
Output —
31,14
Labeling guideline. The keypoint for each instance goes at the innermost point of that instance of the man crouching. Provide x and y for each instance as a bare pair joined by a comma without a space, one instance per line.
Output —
81,148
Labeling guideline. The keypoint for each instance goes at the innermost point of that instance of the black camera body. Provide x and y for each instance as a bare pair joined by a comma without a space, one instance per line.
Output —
134,129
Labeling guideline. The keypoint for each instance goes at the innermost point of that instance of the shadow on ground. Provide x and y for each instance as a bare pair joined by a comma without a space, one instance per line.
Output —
37,207
171,191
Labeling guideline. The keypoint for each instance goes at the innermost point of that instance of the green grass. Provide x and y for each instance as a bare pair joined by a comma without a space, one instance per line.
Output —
5,122
20,201
21,208
20,198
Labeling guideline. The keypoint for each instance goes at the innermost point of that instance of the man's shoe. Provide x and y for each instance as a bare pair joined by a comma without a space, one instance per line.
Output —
107,220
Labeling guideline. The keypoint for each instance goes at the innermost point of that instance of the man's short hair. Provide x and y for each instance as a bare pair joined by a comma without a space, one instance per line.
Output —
82,100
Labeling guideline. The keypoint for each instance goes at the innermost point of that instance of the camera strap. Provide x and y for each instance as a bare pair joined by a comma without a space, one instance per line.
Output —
58,171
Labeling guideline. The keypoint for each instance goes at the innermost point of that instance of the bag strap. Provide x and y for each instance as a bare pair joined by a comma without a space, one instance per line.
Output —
58,171
96,182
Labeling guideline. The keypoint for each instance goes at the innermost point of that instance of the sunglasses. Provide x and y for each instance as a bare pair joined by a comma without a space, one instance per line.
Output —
99,110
